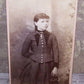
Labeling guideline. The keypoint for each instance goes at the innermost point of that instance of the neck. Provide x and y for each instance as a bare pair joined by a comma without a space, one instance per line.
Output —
40,30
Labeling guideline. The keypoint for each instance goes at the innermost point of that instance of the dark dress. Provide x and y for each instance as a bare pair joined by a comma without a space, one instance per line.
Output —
41,49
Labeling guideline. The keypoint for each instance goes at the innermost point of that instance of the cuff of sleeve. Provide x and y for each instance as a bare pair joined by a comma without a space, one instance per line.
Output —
56,64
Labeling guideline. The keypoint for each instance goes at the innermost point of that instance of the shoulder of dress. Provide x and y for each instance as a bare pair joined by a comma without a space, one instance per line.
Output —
30,35
53,36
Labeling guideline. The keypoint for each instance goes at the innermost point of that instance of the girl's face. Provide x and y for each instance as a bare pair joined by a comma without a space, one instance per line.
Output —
42,24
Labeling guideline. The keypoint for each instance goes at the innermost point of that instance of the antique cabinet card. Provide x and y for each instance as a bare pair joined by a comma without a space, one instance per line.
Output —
40,37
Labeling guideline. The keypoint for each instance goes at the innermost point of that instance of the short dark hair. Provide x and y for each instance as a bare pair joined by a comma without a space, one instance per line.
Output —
40,16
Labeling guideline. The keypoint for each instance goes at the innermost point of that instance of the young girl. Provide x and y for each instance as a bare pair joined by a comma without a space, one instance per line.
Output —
41,48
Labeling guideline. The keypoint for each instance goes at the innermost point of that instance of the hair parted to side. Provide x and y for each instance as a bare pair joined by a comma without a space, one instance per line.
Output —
40,16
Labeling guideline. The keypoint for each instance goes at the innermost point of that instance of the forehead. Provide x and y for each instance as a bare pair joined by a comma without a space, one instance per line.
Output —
43,19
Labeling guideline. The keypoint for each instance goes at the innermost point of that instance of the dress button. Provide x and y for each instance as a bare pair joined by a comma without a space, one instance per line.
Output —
41,57
41,60
41,35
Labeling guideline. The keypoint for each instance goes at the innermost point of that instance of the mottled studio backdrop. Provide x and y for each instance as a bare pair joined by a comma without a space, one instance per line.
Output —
62,13
3,38
78,66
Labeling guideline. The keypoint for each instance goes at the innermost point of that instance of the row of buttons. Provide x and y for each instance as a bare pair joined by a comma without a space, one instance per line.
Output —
42,44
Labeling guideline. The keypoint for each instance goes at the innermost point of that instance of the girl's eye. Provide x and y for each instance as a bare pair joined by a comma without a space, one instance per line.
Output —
42,21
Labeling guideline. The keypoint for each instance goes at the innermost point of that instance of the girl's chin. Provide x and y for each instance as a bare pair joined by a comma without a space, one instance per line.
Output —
41,29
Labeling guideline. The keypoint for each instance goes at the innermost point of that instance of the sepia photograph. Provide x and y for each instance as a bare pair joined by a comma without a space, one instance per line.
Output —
40,40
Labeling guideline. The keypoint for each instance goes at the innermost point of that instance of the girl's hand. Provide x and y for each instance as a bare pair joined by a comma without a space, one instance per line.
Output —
54,71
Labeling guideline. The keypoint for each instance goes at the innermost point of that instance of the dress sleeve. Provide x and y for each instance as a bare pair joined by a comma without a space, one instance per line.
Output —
26,46
55,51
